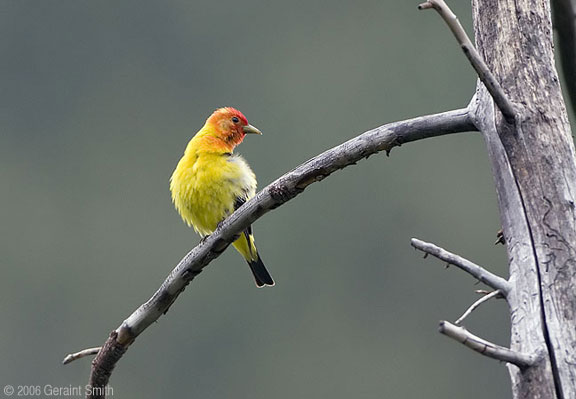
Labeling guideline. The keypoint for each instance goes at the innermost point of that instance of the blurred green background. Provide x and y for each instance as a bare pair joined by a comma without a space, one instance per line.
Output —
98,100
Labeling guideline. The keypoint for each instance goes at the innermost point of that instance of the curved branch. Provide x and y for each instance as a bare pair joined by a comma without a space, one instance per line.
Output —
383,138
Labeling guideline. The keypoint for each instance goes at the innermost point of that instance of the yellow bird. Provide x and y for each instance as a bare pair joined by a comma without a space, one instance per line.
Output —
210,182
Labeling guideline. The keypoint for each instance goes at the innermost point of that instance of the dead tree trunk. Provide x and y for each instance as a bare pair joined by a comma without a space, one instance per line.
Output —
535,174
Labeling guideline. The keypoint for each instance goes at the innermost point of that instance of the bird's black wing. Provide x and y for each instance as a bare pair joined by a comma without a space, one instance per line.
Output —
238,202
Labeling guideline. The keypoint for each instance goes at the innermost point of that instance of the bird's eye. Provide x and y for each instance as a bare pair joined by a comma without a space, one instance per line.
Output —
235,119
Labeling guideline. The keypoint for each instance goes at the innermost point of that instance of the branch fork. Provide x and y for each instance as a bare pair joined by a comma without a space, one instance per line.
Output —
501,288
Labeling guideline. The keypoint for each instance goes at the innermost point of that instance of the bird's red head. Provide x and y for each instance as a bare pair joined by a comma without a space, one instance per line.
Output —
230,126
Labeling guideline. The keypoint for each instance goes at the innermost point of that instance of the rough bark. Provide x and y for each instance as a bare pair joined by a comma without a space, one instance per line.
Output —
535,173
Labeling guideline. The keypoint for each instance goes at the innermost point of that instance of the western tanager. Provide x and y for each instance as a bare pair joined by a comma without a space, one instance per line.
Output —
210,182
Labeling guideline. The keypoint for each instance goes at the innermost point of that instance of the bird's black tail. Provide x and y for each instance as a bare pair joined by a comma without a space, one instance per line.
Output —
261,275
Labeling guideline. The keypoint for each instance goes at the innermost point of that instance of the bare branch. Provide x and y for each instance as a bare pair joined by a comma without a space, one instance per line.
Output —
476,304
78,355
484,73
486,348
490,279
383,138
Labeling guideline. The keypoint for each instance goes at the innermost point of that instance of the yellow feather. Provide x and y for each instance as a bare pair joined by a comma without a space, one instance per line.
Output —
205,186
209,182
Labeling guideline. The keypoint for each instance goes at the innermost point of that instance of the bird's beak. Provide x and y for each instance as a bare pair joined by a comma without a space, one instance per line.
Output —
251,129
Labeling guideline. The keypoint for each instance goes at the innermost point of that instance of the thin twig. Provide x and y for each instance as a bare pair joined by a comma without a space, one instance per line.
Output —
490,279
282,190
486,348
476,304
78,355
484,73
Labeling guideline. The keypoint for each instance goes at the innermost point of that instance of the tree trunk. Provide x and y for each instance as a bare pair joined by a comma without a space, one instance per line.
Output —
535,173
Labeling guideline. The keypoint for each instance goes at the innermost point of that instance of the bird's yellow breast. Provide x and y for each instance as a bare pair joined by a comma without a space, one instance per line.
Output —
205,187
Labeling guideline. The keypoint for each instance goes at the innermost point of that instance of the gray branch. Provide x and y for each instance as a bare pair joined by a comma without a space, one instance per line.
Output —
490,279
78,355
383,138
486,348
484,73
476,304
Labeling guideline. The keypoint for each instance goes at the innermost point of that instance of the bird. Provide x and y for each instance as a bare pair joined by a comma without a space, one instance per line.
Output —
210,182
